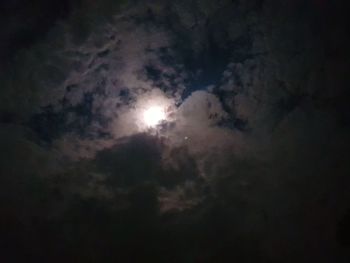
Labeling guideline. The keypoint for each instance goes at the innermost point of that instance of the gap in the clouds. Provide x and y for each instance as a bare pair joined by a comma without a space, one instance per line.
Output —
153,73
51,124
163,79
206,68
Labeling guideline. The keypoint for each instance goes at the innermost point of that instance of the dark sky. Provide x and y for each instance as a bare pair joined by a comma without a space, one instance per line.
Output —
250,162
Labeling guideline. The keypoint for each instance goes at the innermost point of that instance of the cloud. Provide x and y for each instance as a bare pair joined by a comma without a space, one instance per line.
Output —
142,159
201,109
95,88
183,197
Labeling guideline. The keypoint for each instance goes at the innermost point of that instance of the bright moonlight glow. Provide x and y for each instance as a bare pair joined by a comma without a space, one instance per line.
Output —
153,116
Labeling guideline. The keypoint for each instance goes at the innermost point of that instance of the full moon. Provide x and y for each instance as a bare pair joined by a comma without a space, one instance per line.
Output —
153,116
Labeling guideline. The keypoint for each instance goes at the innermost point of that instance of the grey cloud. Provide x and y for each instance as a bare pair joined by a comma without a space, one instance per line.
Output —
114,172
202,109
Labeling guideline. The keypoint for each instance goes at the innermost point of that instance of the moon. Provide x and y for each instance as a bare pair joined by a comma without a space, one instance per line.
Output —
153,116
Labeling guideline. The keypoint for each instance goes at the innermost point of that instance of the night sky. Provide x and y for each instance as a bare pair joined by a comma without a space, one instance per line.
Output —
174,131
